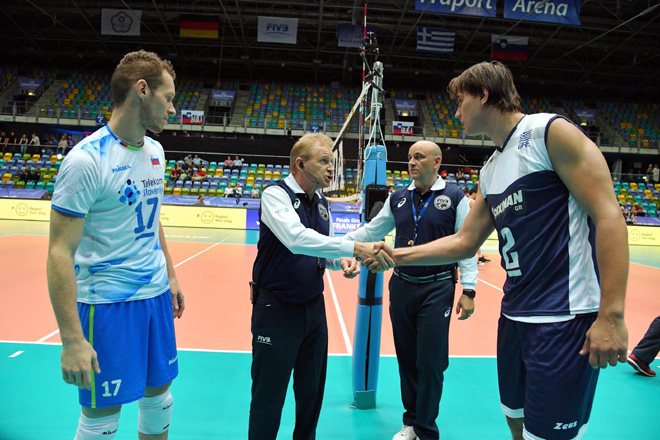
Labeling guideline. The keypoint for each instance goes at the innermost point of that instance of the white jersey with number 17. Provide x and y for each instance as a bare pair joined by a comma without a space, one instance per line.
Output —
118,189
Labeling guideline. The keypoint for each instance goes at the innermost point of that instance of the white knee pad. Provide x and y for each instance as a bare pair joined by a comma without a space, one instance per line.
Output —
95,429
155,413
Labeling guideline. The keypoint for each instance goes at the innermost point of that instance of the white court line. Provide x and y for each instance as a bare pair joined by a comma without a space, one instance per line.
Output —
200,253
48,336
488,284
342,324
18,353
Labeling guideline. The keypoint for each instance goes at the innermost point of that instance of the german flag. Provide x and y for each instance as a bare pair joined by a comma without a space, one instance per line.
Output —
198,27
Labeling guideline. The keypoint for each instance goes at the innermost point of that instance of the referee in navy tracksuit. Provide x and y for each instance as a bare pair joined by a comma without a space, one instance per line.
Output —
421,297
289,330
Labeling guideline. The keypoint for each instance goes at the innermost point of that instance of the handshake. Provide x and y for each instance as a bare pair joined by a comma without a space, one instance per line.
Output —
376,257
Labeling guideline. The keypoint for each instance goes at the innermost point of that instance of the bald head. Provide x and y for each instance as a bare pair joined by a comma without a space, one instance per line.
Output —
424,159
430,148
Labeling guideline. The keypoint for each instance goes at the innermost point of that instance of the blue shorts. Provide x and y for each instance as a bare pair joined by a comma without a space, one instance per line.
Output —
136,348
543,378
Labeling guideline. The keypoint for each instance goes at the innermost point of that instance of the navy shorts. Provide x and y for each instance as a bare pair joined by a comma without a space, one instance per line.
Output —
543,378
135,345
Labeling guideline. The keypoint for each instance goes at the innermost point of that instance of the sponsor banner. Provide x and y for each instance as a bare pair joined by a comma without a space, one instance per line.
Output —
432,40
121,22
351,35
483,8
509,47
401,127
202,217
192,26
21,209
252,219
343,222
29,83
585,114
277,30
223,95
556,11
405,104
192,116
644,235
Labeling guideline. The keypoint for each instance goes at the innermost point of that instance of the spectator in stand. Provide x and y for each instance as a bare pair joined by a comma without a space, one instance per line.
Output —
53,140
10,140
69,141
25,174
229,163
176,172
186,167
631,213
459,174
255,192
4,139
238,163
185,133
63,145
229,191
35,140
199,175
656,173
23,142
197,161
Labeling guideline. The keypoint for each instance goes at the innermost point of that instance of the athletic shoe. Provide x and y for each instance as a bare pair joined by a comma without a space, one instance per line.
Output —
484,259
406,433
480,263
639,365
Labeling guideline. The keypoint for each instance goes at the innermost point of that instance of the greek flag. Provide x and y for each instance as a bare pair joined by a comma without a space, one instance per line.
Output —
435,40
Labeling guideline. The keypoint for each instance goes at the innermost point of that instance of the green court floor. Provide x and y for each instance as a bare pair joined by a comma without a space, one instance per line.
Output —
212,398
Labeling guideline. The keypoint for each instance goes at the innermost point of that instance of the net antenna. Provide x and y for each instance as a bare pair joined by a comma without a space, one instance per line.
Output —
350,146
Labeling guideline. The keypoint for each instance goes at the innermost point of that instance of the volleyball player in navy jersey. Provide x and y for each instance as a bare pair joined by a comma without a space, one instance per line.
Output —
564,245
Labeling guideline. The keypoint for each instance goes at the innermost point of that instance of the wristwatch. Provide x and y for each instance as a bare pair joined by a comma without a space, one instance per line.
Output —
469,293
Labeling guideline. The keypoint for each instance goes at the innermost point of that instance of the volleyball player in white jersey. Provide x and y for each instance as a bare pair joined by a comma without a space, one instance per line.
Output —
564,245
111,280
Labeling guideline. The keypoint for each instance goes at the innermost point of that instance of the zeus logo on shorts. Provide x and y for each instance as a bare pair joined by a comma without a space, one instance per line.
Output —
560,425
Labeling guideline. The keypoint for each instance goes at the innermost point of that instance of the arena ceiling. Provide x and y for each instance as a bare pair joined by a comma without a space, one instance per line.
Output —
614,54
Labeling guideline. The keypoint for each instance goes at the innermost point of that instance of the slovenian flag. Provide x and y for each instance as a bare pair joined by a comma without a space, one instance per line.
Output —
155,161
508,47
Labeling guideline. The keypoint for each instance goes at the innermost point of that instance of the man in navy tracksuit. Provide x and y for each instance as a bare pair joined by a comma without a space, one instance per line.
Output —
421,297
289,329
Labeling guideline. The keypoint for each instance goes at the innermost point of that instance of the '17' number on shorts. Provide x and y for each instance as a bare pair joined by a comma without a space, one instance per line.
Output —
106,387
510,258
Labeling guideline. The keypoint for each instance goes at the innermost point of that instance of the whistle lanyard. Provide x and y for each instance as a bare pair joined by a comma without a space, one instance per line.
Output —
416,217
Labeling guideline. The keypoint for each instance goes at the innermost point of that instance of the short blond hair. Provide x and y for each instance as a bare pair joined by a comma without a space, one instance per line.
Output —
134,67
304,148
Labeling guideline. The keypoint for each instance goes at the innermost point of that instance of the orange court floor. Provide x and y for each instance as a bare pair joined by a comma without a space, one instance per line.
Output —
214,268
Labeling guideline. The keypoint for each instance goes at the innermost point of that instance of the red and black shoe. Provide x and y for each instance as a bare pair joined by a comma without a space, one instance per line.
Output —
640,366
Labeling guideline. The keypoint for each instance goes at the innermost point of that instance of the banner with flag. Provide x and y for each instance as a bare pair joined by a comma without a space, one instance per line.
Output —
564,12
403,127
278,30
435,40
509,47
195,26
192,117
120,22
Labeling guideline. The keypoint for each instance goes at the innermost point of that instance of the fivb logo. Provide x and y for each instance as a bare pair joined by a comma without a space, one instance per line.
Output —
277,28
264,340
